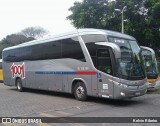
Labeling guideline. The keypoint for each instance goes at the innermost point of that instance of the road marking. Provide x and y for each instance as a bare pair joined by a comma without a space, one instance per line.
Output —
43,124
61,120
47,115
63,113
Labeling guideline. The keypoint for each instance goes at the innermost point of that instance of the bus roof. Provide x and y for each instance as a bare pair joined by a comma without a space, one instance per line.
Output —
73,33
149,49
105,32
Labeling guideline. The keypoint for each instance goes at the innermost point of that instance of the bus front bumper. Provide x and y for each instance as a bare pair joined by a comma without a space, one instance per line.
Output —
129,91
155,85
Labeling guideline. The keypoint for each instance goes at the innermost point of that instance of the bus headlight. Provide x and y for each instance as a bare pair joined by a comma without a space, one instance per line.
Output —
122,94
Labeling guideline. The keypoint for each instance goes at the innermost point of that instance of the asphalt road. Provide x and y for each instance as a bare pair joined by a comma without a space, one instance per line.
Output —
35,103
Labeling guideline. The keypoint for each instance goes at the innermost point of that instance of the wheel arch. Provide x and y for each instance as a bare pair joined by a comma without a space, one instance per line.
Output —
16,80
75,80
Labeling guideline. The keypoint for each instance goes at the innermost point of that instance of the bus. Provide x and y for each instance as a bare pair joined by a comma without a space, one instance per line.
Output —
1,71
151,67
85,62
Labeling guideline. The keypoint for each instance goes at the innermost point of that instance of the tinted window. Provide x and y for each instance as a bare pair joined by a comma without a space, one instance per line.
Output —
130,65
103,53
50,50
126,51
92,48
10,55
18,54
100,56
71,48
104,61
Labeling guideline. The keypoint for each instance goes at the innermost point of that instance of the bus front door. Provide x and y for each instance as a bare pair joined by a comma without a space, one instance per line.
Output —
104,76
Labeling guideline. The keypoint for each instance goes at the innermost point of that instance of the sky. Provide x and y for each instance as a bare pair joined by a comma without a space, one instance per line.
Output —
16,15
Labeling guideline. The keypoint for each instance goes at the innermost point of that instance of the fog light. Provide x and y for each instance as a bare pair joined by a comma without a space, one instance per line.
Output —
123,94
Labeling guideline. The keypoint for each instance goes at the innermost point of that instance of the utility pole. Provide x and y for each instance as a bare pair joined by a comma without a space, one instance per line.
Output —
122,21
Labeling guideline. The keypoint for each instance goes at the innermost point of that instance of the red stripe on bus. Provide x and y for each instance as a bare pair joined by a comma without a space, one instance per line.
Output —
86,73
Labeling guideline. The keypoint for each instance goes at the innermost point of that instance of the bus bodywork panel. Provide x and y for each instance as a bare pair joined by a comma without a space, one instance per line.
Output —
123,88
50,75
62,74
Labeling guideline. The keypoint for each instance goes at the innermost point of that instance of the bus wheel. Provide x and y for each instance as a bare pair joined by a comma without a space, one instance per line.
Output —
80,91
19,85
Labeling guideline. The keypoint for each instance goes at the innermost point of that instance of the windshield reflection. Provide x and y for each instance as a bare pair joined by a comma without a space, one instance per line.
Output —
150,64
130,66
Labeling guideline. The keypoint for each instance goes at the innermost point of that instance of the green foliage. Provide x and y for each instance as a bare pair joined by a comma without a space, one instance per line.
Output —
90,13
12,40
143,18
27,34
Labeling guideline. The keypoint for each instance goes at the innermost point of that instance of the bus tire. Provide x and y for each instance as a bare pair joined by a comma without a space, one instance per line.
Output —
19,85
80,91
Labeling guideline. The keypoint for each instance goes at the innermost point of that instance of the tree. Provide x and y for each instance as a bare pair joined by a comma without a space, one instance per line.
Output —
153,24
89,14
15,39
12,40
34,32
143,18
101,14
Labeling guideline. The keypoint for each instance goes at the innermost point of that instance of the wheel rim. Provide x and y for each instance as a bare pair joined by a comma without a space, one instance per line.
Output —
80,91
18,86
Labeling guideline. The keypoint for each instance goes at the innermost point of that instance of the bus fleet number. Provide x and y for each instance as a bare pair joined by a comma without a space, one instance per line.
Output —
18,71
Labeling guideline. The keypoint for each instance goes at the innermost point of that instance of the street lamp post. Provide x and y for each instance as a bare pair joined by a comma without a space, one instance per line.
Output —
122,11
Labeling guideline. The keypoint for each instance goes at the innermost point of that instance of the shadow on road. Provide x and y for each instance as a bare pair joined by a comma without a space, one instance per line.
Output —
116,102
122,102
153,91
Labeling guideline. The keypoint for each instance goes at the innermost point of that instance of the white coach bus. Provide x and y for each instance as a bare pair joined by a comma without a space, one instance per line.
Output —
87,62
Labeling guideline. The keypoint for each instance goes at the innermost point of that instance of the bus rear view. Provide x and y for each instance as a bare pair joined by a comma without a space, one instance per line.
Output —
86,62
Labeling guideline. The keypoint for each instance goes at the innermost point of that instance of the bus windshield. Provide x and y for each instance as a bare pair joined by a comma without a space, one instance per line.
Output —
150,63
130,65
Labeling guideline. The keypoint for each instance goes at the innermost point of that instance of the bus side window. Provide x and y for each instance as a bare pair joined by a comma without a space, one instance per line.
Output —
71,48
100,57
104,61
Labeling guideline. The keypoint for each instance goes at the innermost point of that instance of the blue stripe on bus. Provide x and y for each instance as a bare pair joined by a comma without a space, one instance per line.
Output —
65,73
70,73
